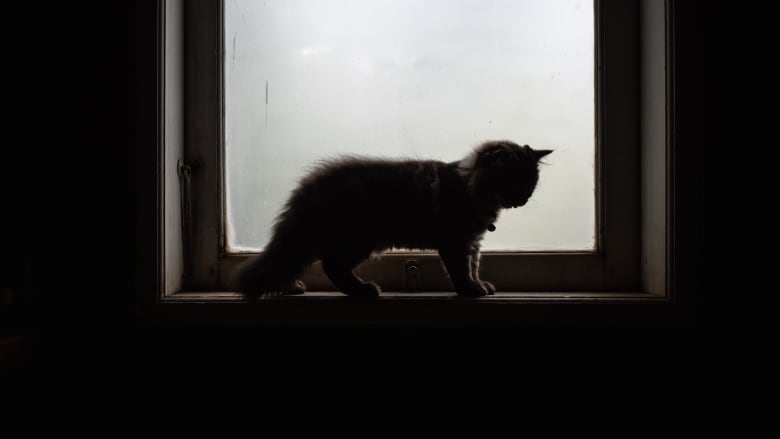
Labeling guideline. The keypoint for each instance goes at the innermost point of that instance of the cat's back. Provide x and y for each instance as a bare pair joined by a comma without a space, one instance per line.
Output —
358,174
369,185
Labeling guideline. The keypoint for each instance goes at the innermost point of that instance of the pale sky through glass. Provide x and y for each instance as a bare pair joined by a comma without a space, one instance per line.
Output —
428,79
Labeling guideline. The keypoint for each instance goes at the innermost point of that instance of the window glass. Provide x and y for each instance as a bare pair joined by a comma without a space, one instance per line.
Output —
313,79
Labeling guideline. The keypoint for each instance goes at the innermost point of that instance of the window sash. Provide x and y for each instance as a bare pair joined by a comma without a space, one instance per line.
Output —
613,266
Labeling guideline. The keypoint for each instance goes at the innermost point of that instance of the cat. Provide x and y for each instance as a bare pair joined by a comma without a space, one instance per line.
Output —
349,208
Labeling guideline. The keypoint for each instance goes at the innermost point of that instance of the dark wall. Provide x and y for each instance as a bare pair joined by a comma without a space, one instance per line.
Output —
68,166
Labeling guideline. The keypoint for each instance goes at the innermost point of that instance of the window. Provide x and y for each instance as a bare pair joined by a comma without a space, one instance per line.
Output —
630,257
307,80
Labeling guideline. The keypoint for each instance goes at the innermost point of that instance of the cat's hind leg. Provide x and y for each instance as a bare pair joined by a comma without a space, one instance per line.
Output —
293,288
296,287
339,269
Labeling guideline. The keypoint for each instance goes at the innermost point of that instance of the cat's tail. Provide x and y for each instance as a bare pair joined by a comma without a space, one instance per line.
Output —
276,269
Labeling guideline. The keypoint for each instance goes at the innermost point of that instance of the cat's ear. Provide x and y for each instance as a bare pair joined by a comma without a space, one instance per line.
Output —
539,153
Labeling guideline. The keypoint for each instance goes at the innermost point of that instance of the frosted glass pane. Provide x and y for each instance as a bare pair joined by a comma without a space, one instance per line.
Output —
310,79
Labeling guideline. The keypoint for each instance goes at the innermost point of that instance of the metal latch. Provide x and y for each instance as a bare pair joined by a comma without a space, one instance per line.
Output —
411,275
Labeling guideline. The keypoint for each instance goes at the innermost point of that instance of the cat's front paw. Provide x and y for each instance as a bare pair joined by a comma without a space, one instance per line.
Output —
489,287
474,289
365,291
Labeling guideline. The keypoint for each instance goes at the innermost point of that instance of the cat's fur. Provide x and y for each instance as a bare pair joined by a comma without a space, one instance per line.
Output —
350,208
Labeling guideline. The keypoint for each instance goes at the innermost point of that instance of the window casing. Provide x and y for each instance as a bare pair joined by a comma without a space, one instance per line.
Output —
633,138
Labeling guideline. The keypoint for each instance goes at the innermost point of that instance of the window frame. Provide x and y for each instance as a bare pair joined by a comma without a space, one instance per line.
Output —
172,288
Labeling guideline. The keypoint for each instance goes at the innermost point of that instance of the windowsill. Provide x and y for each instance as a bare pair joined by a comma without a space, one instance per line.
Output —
414,310
503,297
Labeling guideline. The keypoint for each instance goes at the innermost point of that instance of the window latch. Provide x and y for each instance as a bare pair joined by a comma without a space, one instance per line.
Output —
411,275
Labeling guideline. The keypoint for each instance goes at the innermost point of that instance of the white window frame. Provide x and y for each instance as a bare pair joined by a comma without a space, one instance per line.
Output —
631,264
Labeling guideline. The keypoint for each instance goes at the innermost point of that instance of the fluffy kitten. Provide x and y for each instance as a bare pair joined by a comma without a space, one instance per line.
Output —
349,208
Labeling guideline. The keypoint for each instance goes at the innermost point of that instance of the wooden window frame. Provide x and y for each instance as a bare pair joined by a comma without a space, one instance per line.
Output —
632,266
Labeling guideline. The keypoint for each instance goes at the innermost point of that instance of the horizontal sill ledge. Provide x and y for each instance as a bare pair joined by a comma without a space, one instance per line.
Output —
413,310
502,297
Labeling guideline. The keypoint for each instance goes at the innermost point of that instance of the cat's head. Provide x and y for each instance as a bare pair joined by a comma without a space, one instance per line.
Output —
505,172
